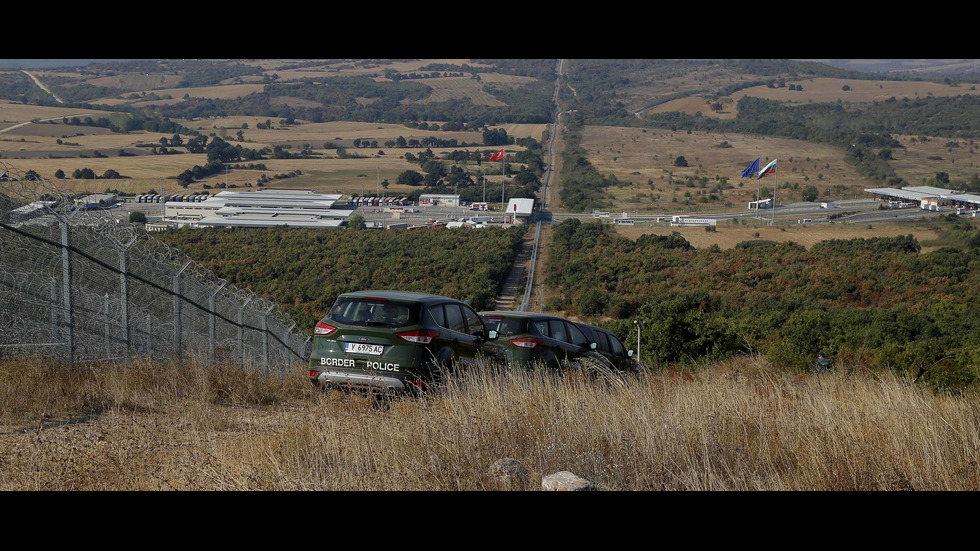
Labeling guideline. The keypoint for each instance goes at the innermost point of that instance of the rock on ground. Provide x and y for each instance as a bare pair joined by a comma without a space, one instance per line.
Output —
568,482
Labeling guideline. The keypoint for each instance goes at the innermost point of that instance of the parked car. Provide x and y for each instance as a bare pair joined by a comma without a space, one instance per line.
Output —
610,347
530,338
396,341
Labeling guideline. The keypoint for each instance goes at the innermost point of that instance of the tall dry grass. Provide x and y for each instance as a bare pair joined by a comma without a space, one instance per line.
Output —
742,424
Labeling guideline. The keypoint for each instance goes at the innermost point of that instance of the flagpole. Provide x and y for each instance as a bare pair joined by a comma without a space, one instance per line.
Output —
758,199
774,182
503,183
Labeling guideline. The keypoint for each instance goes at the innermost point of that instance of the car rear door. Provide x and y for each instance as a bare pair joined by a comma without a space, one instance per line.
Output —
617,352
481,335
463,344
579,344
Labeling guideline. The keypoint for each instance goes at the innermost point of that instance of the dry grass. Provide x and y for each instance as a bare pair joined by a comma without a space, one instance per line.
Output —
739,425
815,90
35,147
645,157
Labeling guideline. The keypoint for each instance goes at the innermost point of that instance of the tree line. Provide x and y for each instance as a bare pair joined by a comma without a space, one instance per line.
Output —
877,301
305,270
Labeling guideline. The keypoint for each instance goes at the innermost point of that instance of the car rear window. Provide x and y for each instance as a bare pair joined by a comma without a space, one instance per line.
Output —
505,327
617,347
368,312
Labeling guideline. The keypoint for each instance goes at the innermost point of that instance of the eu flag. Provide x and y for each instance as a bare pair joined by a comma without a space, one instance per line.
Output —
751,170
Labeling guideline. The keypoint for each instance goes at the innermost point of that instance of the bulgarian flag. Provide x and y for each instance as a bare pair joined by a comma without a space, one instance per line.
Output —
769,169
498,155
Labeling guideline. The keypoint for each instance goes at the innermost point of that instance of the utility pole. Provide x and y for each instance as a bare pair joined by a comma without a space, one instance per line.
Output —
638,323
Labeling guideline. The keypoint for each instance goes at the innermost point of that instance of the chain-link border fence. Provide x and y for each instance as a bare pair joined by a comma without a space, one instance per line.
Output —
76,284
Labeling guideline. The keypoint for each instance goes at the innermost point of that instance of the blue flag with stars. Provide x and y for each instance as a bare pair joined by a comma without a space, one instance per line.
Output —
751,170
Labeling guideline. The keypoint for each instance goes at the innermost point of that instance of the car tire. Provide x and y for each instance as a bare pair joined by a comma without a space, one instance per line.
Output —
443,365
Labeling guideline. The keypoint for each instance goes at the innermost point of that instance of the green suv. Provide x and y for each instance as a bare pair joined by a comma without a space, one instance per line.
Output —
610,347
395,340
530,338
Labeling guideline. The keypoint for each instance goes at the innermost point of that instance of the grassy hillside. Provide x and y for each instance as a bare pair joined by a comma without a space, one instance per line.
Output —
744,424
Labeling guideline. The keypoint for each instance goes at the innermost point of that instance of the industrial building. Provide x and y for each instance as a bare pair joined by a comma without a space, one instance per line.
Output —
32,210
259,209
926,198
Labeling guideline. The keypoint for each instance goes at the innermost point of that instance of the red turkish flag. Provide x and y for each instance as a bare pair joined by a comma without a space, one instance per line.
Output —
498,155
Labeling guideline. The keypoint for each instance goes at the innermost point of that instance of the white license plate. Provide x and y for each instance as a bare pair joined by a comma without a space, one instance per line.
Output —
361,348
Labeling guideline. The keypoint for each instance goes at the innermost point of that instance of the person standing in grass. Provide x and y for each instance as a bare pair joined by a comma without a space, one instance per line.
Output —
823,364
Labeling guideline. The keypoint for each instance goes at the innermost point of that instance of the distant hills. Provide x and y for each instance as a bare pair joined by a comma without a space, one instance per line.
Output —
49,63
942,66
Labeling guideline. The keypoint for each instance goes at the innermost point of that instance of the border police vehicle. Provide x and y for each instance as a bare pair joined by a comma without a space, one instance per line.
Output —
395,341
610,347
530,338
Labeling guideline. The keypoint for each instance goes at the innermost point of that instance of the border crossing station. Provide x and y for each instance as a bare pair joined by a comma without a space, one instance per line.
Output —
927,198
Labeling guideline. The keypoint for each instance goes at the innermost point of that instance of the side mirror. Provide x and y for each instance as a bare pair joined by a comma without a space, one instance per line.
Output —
592,345
629,354
493,335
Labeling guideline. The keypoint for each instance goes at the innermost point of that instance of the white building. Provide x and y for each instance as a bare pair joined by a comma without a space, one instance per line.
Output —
256,209
433,199
693,221
518,210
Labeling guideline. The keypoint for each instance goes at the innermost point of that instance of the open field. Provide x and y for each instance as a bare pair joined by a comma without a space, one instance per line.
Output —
727,236
820,90
924,159
346,68
15,112
175,95
744,424
646,158
34,146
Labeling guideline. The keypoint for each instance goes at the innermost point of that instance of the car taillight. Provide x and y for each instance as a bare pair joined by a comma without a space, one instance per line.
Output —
314,373
526,343
422,336
323,329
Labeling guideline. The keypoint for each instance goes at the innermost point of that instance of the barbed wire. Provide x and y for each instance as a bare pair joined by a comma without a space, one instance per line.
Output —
79,284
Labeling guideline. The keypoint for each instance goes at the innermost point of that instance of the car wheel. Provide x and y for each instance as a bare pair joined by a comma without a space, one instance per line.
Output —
443,365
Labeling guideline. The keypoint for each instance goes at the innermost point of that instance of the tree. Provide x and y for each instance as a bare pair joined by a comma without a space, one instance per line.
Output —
137,217
680,161
810,193
356,222
409,178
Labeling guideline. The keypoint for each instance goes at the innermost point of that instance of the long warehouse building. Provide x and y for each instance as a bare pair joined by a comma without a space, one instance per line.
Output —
259,209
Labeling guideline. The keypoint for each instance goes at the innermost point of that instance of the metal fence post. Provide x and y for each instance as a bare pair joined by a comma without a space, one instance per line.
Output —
211,342
265,338
66,298
241,330
124,297
177,350
105,312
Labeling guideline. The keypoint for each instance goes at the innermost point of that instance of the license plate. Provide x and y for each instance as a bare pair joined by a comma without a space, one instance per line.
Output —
361,348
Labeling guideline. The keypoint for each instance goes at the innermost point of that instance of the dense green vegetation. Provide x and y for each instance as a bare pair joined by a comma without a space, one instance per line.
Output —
582,185
304,270
878,299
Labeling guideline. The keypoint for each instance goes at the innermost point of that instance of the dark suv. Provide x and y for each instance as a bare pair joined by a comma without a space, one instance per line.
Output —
610,347
389,340
530,338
